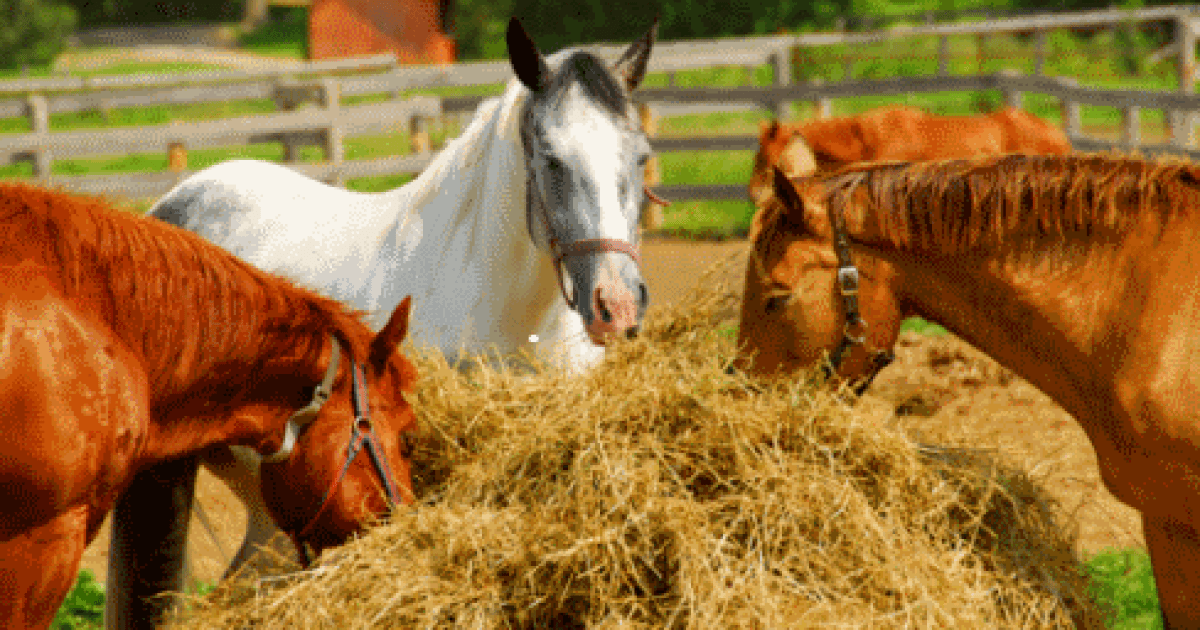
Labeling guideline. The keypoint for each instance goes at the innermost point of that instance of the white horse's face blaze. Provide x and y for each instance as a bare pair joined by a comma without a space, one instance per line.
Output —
586,154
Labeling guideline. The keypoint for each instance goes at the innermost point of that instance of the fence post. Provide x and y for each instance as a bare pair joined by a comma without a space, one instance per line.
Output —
1072,121
1183,129
335,149
944,55
418,134
39,120
1131,134
287,99
176,157
783,77
1012,98
652,217
1039,46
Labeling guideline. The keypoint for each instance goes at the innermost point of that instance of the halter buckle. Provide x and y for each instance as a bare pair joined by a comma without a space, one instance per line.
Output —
848,280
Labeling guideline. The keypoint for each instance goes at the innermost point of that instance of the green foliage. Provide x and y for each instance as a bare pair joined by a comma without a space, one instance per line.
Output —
1123,579
479,27
134,12
33,32
286,34
83,607
555,24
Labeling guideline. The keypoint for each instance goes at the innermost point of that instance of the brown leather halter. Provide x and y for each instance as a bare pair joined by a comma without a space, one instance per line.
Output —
560,251
361,434
854,332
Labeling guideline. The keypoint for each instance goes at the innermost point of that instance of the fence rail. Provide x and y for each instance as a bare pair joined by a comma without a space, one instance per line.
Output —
328,125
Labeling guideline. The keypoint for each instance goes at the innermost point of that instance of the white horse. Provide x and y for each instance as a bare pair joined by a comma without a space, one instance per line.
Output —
520,237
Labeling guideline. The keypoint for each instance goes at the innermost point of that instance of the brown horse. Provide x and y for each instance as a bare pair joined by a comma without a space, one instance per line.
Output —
127,344
1079,273
896,133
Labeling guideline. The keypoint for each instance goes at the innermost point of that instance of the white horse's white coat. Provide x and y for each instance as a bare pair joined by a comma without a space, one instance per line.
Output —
455,238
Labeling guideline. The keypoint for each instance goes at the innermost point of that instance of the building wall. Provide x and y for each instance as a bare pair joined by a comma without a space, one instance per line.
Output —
351,28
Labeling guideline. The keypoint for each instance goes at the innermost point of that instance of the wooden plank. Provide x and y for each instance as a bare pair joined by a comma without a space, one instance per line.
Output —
373,118
147,185
704,143
372,63
709,192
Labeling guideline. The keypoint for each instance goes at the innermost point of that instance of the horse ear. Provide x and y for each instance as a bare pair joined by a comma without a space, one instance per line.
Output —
632,64
793,204
768,129
386,341
526,61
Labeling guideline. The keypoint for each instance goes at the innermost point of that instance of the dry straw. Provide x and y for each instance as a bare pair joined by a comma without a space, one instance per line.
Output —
658,491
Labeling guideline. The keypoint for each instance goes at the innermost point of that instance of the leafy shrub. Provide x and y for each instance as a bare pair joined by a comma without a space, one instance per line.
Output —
33,32
83,607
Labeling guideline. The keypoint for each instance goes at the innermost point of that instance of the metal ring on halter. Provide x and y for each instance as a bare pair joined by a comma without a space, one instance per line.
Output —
860,339
361,435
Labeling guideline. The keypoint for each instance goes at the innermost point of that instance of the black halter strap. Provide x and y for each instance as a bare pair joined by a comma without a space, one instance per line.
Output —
854,331
361,434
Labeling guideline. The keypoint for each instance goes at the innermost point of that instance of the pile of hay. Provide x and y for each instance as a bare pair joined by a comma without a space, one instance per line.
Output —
660,492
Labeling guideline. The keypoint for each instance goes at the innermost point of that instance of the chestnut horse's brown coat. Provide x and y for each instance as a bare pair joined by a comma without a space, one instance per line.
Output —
897,133
126,343
1079,273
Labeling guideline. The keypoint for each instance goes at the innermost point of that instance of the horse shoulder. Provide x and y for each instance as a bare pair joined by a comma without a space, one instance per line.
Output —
73,392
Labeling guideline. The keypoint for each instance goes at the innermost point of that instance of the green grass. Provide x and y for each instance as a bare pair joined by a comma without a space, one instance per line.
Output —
1122,579
84,606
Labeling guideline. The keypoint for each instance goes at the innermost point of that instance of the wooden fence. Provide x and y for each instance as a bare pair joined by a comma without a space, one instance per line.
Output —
331,122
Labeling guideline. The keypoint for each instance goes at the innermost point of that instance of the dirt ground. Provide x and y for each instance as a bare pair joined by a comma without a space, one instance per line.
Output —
945,392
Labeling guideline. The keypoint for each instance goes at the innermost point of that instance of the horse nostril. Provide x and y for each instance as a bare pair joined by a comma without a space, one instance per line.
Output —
605,314
632,332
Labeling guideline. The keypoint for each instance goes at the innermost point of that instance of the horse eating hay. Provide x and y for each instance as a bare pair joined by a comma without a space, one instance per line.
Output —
896,132
538,198
1076,272
129,346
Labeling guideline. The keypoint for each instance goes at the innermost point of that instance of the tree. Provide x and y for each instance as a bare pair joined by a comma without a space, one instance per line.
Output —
33,32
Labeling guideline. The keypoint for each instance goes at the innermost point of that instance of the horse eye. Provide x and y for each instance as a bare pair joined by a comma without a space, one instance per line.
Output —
553,163
642,159
776,302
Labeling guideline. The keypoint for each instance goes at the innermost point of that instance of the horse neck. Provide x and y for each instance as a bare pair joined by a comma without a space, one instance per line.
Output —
1043,319
210,329
478,266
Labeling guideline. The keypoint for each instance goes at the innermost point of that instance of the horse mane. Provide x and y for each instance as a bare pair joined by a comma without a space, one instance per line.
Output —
951,206
595,78
172,296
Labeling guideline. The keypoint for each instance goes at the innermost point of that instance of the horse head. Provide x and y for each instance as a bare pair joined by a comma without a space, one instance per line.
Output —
347,463
780,146
803,298
584,156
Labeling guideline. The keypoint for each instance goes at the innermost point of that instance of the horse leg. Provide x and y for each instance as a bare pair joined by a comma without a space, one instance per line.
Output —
238,468
149,544
1175,554
38,567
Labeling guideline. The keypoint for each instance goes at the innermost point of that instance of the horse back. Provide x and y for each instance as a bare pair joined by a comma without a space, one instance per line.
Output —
1026,133
76,403
283,222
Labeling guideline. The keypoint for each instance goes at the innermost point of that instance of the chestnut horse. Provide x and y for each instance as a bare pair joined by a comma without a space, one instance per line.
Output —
1079,273
896,132
128,346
